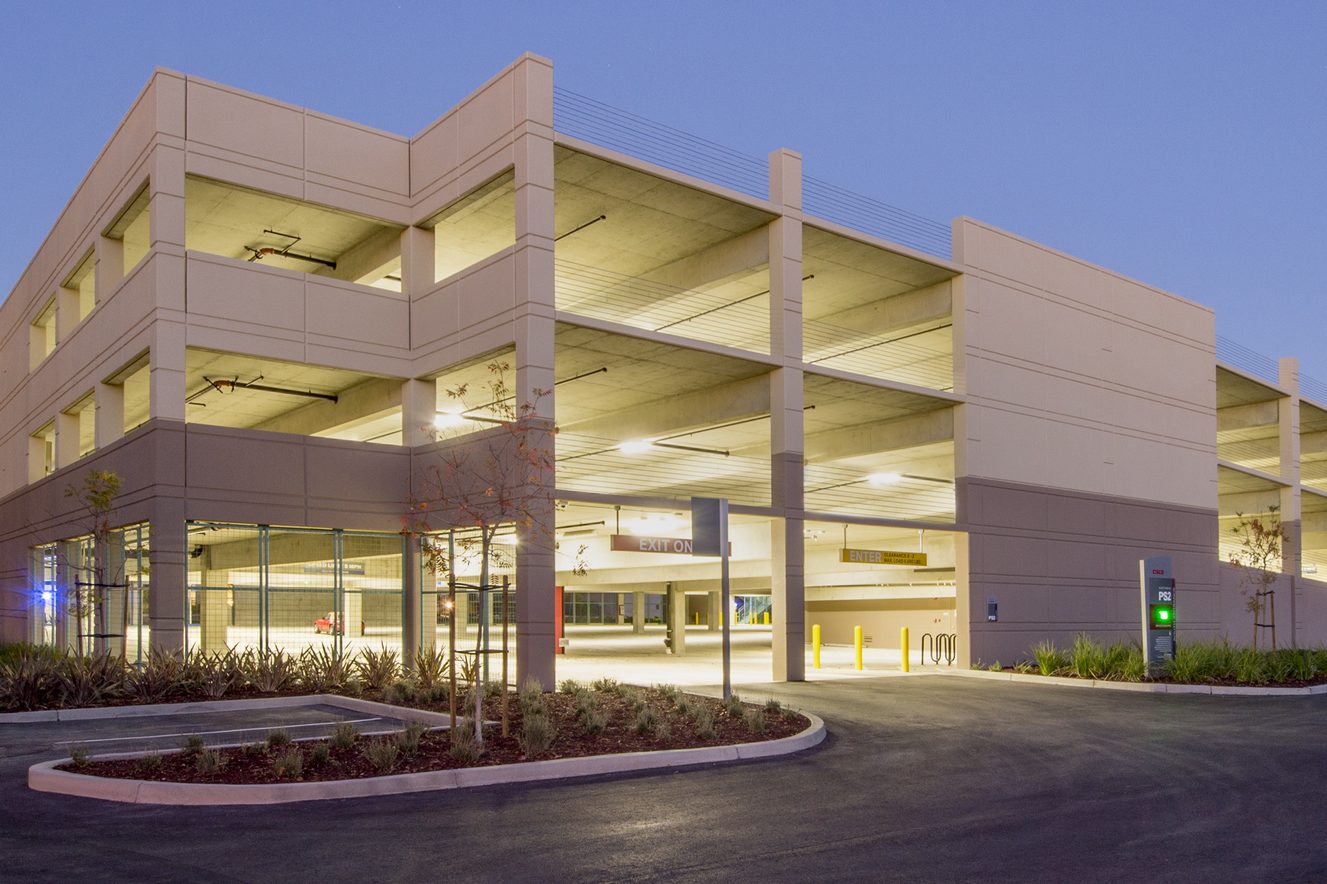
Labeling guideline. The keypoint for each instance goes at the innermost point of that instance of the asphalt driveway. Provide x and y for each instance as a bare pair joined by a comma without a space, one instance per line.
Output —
922,779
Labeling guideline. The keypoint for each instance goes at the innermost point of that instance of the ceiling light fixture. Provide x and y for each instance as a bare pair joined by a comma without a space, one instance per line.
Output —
635,446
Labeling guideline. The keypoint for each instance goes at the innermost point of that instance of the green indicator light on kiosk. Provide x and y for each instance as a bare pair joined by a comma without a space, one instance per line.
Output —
1163,616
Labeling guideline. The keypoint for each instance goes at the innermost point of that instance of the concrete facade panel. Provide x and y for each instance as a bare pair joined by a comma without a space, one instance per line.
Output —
1040,352
223,288
1055,556
348,312
266,464
245,124
358,156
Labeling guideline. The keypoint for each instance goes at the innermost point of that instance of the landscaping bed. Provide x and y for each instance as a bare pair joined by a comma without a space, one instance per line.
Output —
1219,664
579,721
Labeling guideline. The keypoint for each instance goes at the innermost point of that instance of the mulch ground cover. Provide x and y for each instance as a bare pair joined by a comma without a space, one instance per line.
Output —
256,763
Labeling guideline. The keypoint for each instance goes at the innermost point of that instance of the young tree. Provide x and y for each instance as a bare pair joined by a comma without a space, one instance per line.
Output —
96,496
488,481
1261,541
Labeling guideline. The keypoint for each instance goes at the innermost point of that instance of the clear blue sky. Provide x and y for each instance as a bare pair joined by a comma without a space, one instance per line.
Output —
1181,143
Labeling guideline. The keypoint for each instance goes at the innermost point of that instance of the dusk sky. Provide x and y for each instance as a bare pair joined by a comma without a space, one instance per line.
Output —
1180,143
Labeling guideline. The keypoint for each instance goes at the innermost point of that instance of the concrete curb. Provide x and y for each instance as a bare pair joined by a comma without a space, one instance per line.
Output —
1138,687
43,777
352,704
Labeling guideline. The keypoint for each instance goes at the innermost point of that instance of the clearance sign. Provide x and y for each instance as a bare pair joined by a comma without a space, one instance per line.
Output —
882,557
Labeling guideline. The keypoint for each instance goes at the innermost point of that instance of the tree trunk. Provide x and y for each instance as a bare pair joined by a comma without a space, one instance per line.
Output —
486,539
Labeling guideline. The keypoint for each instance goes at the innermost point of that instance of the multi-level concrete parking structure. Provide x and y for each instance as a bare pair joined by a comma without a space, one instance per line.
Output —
256,314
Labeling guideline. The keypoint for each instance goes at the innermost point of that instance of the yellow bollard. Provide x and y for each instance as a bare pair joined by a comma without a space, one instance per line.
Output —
903,647
815,646
857,644
767,618
697,618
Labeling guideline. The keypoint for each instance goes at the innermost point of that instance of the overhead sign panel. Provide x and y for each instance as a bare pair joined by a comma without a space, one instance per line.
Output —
677,546
882,557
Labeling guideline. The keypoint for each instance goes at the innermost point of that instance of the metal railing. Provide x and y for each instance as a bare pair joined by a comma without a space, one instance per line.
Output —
599,123
853,210
590,120
1313,388
1243,358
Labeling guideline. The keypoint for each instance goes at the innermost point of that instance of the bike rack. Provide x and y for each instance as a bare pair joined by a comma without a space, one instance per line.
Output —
943,646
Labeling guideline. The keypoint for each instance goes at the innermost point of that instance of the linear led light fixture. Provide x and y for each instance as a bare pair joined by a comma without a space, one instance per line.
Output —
881,480
641,446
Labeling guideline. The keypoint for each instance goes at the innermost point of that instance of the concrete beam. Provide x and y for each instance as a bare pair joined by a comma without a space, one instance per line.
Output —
892,435
1242,417
1249,502
911,309
721,262
1313,471
731,401
1313,523
369,258
289,549
365,399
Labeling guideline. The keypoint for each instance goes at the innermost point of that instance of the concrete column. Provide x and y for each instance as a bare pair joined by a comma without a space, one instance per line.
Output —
638,612
214,616
112,596
621,608
66,439
36,458
412,626
166,206
66,630
166,371
677,620
352,614
787,435
109,267
417,260
419,405
461,614
167,601
1291,503
110,414
533,323
66,312
714,613
428,612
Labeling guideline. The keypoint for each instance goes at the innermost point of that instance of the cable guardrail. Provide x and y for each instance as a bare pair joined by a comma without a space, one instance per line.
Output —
853,210
1251,361
597,122
591,120
1312,388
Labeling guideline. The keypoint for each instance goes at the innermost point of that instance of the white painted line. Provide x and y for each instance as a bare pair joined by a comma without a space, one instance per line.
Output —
233,730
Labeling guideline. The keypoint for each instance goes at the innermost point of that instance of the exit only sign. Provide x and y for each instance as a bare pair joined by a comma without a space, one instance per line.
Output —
882,557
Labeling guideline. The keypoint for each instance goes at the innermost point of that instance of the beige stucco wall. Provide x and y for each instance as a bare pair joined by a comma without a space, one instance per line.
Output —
1107,385
1087,442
